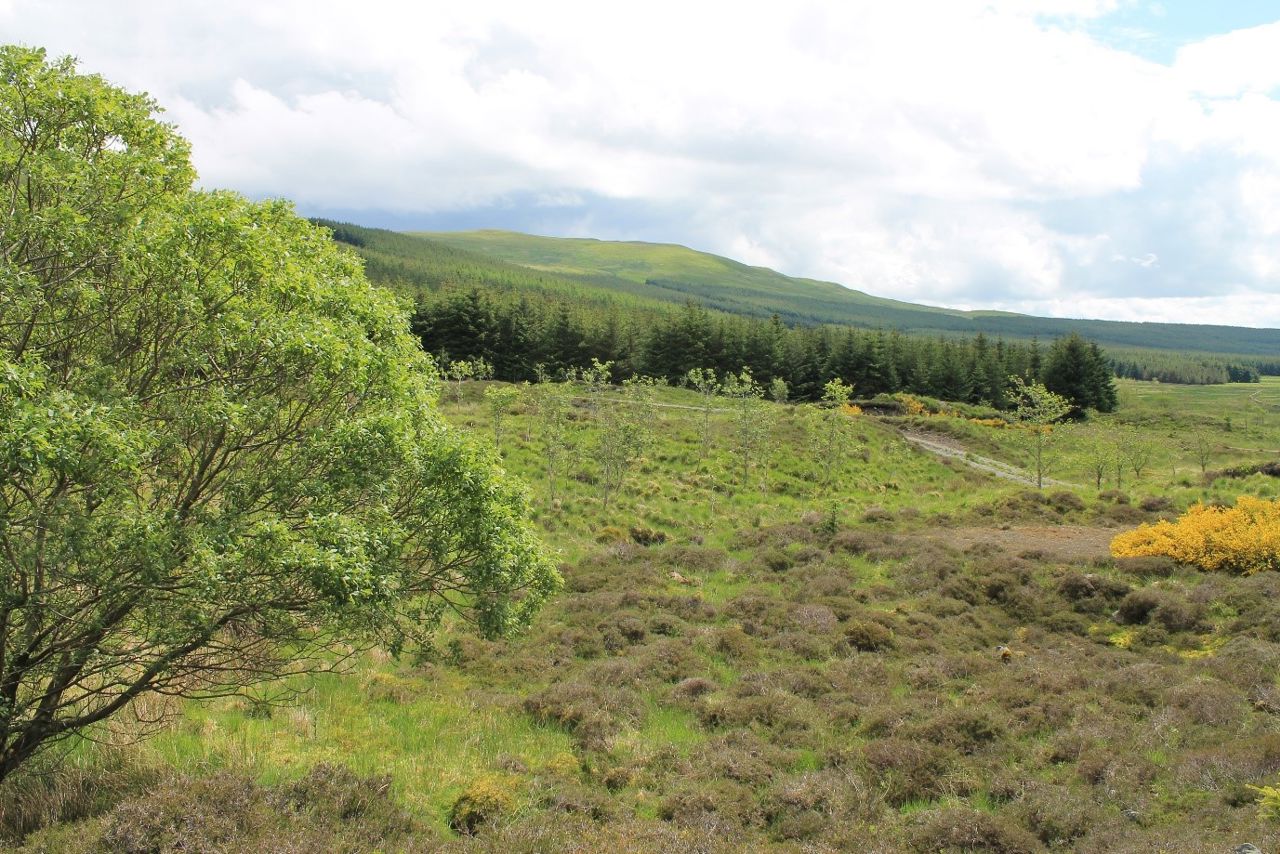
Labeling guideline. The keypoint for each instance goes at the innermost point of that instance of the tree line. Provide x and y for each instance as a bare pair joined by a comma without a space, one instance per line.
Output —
1179,368
524,340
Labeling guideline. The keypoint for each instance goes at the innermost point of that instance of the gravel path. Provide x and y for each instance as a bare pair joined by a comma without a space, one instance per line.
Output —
942,448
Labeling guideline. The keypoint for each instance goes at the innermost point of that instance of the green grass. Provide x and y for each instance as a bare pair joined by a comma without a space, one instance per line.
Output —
379,719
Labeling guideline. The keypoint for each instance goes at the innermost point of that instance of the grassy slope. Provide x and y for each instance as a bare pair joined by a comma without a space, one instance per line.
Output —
678,273
921,738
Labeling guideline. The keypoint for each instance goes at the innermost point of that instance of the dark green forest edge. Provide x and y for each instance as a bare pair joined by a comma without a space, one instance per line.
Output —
562,302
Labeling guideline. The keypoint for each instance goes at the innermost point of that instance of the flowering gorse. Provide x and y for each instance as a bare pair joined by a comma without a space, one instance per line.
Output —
1243,539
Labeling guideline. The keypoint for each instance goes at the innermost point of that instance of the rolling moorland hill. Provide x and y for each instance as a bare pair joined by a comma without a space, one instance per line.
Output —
673,273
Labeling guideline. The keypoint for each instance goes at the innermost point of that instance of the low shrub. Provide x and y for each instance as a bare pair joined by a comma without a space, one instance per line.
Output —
610,534
1161,608
1147,566
867,636
646,536
694,686
954,830
1243,539
592,713
668,660
1065,501
1078,587
692,802
876,514
485,799
961,729
1136,608
907,770
1155,504
1057,815
219,811
775,560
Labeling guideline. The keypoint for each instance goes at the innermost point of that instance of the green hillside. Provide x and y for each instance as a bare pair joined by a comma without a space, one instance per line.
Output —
676,273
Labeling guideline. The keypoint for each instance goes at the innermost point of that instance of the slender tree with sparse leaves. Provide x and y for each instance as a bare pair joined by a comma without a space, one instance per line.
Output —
1038,410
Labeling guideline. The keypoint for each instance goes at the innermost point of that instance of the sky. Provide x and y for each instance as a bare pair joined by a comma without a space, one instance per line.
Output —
1111,159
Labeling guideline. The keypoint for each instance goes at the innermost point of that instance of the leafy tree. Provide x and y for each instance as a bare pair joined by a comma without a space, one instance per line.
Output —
829,430
749,426
1201,447
500,399
704,382
1038,409
1100,455
626,432
552,403
778,391
219,453
1136,452
461,370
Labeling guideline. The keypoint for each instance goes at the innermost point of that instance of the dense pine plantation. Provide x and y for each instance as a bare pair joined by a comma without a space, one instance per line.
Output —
520,343
783,628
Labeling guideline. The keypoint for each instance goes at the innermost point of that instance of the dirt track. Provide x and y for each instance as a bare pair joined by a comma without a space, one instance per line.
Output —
954,451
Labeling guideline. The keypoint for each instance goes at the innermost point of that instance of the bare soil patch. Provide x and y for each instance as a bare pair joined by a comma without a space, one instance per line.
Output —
1065,542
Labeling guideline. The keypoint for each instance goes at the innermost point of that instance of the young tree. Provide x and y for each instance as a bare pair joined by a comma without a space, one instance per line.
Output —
778,391
460,370
750,429
704,382
594,382
1201,447
552,403
1038,410
625,434
1100,456
829,430
500,399
1136,452
220,459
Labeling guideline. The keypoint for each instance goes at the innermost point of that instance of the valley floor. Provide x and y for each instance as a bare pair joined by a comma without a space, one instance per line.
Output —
885,652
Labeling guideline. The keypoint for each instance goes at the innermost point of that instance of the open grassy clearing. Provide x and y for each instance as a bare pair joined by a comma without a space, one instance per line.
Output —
802,660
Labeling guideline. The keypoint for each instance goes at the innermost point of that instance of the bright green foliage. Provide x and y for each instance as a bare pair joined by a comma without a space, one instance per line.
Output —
1038,409
625,434
484,800
750,424
829,430
219,453
1268,801
460,370
500,399
704,382
778,390
552,403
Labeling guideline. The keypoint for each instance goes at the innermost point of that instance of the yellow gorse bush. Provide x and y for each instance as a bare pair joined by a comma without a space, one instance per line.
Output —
1242,539
912,405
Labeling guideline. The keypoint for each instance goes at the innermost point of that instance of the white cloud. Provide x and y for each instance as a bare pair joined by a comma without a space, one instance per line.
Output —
957,151
1231,64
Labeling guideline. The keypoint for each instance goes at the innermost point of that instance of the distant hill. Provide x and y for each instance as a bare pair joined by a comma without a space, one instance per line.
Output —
647,281
676,274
